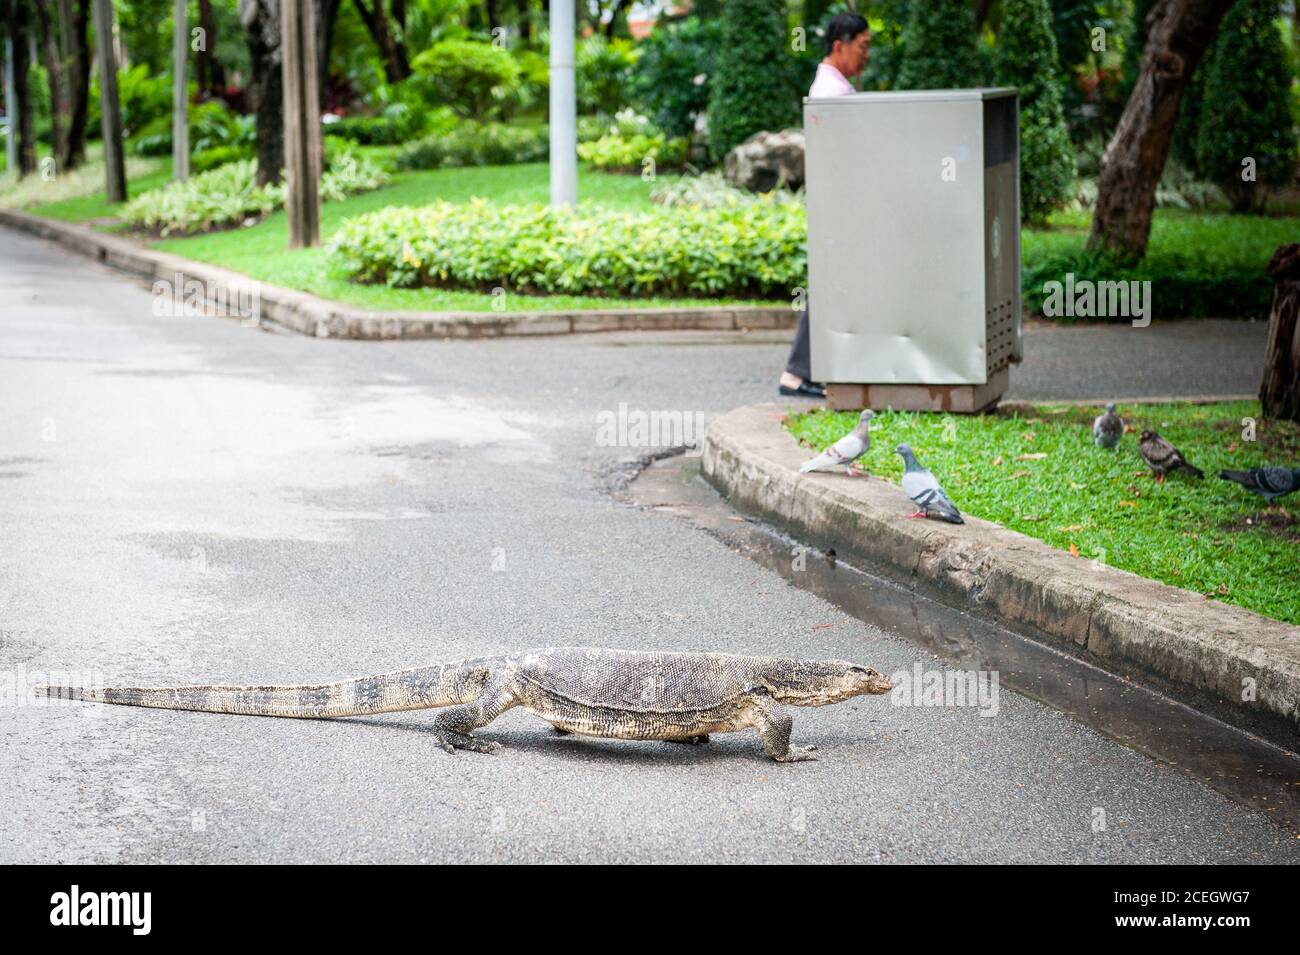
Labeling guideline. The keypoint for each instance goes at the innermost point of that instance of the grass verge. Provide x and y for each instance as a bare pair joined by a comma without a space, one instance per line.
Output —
1035,469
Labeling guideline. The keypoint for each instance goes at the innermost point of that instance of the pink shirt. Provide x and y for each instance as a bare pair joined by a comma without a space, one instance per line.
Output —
830,82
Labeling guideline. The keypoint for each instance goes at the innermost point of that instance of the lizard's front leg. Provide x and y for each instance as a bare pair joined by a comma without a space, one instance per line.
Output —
453,725
774,725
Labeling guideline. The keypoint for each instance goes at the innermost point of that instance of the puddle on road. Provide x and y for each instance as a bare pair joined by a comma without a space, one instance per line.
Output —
1243,767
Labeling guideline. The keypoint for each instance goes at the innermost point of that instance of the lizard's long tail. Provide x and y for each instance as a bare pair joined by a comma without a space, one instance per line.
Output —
414,689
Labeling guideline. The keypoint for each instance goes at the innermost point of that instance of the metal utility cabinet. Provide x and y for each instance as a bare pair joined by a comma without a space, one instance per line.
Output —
914,247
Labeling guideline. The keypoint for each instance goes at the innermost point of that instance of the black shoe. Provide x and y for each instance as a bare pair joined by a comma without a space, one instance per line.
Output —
806,389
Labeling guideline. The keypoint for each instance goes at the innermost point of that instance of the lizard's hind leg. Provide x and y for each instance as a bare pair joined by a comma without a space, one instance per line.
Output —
452,726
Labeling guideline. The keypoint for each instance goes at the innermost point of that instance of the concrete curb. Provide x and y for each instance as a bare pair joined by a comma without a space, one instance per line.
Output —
321,318
1196,649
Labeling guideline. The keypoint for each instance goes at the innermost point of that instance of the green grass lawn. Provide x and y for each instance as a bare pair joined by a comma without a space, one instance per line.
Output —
260,250
1038,472
1198,261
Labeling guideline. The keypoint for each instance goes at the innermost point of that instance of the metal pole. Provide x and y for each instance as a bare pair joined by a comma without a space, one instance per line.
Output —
180,95
564,105
11,110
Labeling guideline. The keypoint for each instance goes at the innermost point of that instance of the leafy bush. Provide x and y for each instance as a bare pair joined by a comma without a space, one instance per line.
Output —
602,68
755,87
474,79
630,141
751,250
477,144
223,195
708,190
398,123
941,47
628,154
230,193
217,156
1247,110
671,78
1026,59
212,125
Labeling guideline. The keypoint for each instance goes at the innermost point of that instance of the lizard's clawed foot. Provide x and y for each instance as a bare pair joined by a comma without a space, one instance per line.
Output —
454,741
797,754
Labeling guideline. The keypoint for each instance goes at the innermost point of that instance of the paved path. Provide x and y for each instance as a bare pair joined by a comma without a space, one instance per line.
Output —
186,499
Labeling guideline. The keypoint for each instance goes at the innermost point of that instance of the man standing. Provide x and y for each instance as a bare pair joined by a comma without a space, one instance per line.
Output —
848,46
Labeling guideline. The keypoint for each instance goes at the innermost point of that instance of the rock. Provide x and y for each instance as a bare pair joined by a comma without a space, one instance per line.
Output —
767,160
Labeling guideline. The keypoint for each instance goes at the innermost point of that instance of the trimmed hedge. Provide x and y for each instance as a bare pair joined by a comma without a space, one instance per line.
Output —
477,144
1199,265
755,250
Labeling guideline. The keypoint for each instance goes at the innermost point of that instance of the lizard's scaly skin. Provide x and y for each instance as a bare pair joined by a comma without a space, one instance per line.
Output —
621,694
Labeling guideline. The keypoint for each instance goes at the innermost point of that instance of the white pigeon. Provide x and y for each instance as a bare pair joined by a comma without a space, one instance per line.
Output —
924,490
845,451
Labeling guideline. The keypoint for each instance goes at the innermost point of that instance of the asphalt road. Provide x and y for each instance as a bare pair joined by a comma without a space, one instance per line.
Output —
189,500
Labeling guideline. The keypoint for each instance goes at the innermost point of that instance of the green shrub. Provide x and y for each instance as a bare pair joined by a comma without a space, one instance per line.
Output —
750,250
941,48
1247,109
217,156
229,194
754,87
1026,59
224,195
212,125
629,142
477,144
629,153
602,68
475,79
671,79
708,190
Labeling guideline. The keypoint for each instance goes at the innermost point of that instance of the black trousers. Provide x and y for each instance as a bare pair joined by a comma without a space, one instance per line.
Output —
799,363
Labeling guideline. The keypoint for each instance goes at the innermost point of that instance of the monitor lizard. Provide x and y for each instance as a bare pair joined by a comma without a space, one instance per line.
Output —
619,694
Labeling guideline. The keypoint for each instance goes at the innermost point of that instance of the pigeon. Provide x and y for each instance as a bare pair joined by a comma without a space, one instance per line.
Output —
1162,457
1108,428
1267,482
925,491
846,450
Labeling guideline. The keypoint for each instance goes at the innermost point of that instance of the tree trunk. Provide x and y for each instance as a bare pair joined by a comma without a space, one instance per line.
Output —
1279,391
76,52
392,52
327,12
302,136
20,29
110,107
1180,33
261,22
59,104
208,72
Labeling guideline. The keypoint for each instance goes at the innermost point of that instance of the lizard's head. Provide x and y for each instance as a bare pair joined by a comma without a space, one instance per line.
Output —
821,682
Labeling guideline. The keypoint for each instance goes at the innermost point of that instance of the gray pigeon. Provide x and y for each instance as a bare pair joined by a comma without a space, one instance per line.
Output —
1108,428
846,450
921,486
1162,457
1270,483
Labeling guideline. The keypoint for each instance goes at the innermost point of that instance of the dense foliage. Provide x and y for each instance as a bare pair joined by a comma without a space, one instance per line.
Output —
755,86
755,249
672,77
941,48
1026,59
1247,115
230,194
